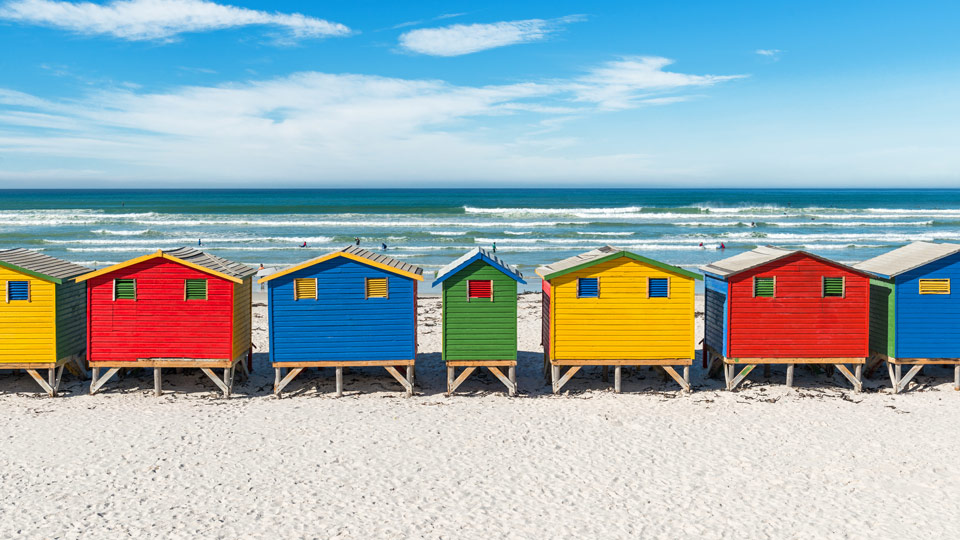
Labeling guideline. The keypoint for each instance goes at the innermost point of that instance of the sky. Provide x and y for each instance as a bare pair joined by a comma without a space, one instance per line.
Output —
353,93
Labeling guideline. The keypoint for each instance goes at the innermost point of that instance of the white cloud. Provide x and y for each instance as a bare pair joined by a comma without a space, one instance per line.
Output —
629,81
773,54
317,128
159,19
460,39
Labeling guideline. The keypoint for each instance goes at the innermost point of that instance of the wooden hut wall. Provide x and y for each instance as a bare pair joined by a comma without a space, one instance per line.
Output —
342,324
242,314
715,314
27,327
160,322
798,321
882,317
71,298
479,328
927,324
545,320
622,322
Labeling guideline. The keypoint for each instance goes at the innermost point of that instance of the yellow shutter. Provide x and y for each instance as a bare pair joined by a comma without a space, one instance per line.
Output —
304,288
376,287
934,286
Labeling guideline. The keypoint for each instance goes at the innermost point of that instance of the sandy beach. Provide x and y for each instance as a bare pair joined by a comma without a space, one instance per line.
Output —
764,462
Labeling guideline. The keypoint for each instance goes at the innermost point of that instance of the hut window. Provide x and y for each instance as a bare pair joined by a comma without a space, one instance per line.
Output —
764,287
195,289
658,287
18,290
833,286
480,288
305,289
376,287
124,289
934,286
588,287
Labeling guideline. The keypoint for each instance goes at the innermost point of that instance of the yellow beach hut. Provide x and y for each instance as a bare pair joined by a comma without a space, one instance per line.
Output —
610,307
42,315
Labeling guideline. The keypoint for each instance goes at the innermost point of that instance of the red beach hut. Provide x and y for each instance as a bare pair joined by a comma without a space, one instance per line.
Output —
182,308
778,306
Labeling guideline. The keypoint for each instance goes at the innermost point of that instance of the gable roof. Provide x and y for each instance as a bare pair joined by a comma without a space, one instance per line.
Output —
476,254
760,256
193,258
377,260
603,254
40,266
906,258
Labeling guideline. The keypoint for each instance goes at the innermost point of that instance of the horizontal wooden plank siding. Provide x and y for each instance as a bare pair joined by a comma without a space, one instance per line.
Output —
242,314
160,323
882,317
27,328
342,324
545,318
928,325
798,321
479,328
622,322
715,314
71,318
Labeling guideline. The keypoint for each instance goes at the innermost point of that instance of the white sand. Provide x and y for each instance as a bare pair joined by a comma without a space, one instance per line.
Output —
818,461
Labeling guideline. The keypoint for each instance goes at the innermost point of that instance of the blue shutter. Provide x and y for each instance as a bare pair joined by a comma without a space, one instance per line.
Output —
588,287
659,287
18,290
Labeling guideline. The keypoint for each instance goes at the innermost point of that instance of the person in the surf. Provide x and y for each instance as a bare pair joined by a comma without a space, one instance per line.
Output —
304,244
383,246
722,246
199,242
494,247
357,240
701,245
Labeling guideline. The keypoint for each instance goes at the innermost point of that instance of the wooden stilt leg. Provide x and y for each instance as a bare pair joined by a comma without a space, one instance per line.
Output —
56,383
684,385
606,374
686,374
451,372
898,370
858,373
52,381
462,377
276,379
339,381
910,375
893,377
741,376
854,379
726,375
401,379
411,370
617,371
97,382
956,378
790,375
508,382
156,382
291,375
43,384
571,371
555,377
512,374
222,385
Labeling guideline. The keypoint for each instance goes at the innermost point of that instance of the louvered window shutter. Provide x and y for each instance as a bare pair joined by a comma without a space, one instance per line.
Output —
659,287
588,287
195,289
477,288
833,287
934,286
764,287
305,289
124,289
18,290
376,287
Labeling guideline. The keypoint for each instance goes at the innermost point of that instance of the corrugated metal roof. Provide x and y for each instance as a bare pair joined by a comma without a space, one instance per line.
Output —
577,260
217,264
383,259
747,260
476,253
42,264
893,263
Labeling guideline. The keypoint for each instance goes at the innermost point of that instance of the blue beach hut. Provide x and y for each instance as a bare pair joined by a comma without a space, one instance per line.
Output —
352,307
914,314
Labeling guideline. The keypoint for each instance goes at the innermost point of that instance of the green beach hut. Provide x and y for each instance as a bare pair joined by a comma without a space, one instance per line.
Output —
480,317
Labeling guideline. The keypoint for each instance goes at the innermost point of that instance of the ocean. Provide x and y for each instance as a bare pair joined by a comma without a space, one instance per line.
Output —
430,227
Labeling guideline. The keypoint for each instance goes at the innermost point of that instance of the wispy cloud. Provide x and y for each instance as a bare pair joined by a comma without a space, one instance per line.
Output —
772,54
460,39
160,19
324,127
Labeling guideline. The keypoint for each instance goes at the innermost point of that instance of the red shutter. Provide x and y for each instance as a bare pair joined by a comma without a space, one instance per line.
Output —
480,289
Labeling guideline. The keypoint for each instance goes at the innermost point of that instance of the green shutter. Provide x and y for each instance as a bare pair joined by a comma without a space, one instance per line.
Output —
763,287
833,286
196,289
124,289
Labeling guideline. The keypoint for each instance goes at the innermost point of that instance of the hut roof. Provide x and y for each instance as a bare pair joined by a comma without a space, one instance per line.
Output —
909,257
474,255
758,257
194,258
364,256
600,255
39,265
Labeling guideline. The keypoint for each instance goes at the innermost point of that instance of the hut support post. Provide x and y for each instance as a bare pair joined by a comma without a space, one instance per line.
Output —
450,373
52,383
734,381
282,383
558,383
512,373
956,377
686,374
156,382
855,380
97,382
676,377
790,368
510,383
276,379
407,381
339,381
902,382
509,380
453,384
617,373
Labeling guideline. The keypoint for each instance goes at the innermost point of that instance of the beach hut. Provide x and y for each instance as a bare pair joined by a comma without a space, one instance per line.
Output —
778,306
42,315
480,317
610,307
182,308
914,313
349,308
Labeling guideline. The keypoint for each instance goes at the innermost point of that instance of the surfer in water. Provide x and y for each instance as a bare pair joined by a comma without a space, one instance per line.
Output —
304,244
383,246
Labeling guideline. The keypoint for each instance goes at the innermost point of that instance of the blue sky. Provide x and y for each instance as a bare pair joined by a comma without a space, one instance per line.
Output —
167,93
